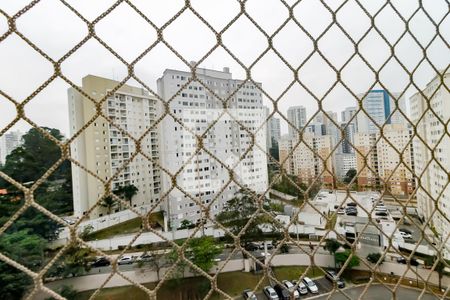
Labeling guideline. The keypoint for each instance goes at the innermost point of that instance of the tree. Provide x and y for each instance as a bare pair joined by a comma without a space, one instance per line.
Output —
67,292
127,192
109,203
28,250
332,245
34,157
185,224
374,258
74,262
237,212
342,257
202,252
156,262
439,267
349,176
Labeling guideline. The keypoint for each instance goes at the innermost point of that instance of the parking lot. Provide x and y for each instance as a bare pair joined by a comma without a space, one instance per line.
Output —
323,285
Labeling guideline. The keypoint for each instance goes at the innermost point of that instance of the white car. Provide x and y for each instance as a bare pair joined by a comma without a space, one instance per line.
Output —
303,290
291,288
312,287
270,293
125,260
405,235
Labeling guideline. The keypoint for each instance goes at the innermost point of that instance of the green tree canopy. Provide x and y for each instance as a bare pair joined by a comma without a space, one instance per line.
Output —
342,257
349,176
237,213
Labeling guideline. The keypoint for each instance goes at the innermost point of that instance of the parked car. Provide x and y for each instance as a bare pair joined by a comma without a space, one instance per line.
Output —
351,212
340,211
413,262
101,262
405,230
125,260
248,294
145,257
302,289
332,276
312,287
405,235
351,204
381,213
251,247
292,290
282,292
269,245
270,293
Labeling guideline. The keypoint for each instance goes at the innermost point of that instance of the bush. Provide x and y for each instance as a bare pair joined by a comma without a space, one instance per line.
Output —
374,258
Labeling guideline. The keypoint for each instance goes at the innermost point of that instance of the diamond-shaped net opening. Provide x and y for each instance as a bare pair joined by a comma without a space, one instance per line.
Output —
322,165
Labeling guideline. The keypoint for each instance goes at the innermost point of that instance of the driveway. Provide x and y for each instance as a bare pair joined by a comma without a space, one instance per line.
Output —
379,292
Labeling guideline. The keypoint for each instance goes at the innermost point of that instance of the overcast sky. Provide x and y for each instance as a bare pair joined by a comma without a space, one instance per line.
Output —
55,30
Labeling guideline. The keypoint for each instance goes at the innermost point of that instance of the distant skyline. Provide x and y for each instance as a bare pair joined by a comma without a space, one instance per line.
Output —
23,69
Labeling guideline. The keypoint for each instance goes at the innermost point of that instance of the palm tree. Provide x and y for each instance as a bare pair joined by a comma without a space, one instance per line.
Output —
127,192
109,203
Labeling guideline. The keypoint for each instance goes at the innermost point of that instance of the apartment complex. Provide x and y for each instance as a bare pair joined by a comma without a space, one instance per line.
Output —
386,160
296,115
203,169
8,142
105,150
430,112
308,158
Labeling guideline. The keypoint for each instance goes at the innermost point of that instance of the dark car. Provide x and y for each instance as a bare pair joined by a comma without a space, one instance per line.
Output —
101,262
251,247
248,294
413,262
381,213
282,292
332,276
351,212
351,204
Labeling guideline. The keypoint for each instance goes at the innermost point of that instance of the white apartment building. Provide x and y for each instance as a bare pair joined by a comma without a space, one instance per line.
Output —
201,173
8,142
296,115
344,163
309,158
386,162
103,149
429,113
395,159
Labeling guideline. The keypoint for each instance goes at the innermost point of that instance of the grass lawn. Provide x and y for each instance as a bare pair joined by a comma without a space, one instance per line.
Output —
232,283
129,226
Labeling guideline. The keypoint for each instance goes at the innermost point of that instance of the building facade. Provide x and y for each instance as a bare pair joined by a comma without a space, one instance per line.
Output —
430,111
8,142
105,150
386,160
296,115
211,172
380,108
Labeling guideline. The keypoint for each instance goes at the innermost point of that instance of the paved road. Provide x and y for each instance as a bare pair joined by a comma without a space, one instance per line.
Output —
379,292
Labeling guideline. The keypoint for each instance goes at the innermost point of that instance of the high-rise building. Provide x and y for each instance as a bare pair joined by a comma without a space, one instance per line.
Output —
382,109
226,142
347,137
344,163
296,115
386,161
8,142
395,159
430,112
274,131
308,158
347,114
104,149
